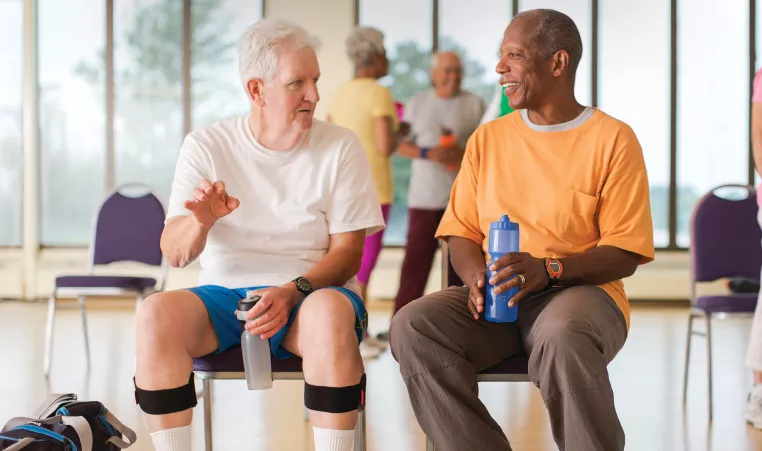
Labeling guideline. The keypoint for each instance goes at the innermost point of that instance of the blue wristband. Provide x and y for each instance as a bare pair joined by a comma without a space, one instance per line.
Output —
423,152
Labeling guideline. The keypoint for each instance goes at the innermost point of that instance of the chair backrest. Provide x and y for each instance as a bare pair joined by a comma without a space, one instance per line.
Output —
725,237
129,228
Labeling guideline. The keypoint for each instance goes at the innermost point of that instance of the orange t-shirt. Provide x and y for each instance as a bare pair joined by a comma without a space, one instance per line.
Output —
569,191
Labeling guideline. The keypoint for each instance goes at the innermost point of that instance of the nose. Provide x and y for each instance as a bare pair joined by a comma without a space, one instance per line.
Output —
312,94
501,67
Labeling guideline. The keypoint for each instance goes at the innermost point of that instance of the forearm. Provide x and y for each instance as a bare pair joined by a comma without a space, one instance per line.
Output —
409,150
467,258
597,266
183,240
335,269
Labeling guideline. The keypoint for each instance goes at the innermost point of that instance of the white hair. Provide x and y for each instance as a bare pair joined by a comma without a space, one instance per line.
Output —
259,46
363,44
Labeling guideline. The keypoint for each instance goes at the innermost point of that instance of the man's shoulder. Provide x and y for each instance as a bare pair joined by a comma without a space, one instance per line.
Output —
471,99
217,134
611,125
499,125
331,137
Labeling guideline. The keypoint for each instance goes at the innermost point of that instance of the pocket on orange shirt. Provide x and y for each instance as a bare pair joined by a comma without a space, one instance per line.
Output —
576,220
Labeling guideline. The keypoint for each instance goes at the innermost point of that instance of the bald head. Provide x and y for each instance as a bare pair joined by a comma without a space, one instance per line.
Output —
446,73
549,31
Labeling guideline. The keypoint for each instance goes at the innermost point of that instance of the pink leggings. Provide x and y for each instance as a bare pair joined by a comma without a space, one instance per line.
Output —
373,245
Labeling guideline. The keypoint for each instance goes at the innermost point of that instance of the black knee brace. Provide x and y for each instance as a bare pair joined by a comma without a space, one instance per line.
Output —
335,399
170,400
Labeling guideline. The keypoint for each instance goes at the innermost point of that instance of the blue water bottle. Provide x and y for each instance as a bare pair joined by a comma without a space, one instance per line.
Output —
503,238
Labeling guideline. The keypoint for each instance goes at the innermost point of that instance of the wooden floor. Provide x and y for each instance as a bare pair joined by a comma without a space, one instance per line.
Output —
646,377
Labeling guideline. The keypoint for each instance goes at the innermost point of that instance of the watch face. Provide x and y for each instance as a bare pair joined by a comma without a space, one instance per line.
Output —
555,266
303,284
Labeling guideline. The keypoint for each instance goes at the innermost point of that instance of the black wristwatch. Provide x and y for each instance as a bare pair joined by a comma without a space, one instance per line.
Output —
303,285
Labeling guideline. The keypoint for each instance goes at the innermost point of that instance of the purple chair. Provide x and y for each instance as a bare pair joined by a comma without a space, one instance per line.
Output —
725,242
229,365
126,229
513,369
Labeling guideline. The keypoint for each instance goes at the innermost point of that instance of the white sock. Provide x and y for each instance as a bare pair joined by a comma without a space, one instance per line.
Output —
333,440
175,439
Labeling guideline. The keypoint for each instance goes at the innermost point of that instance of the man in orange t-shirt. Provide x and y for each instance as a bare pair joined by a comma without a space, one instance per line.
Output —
575,180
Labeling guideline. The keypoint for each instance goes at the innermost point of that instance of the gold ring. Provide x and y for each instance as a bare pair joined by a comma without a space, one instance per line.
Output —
522,280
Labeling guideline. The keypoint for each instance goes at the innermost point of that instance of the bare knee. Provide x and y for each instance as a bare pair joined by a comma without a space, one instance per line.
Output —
154,314
327,321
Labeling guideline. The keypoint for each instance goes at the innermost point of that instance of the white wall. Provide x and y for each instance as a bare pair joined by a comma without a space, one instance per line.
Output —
332,21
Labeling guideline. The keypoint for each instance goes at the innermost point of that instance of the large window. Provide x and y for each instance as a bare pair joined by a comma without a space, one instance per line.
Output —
580,12
713,101
407,28
217,91
11,157
634,87
148,68
72,120
477,45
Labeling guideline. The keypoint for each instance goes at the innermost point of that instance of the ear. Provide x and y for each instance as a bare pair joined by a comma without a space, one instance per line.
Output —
255,89
560,62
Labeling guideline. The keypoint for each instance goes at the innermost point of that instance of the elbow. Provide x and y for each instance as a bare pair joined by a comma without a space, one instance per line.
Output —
173,258
630,266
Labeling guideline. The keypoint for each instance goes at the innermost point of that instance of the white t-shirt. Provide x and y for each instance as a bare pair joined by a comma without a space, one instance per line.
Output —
430,182
291,201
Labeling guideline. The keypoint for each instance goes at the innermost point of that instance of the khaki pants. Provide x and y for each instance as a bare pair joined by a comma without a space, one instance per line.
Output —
570,336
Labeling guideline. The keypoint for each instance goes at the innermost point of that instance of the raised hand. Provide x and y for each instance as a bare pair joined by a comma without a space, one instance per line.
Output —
210,203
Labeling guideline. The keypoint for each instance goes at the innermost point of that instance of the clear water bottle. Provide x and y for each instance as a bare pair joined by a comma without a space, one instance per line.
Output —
503,239
256,352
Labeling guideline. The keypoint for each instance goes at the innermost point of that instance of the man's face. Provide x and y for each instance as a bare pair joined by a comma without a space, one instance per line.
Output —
290,100
526,77
447,75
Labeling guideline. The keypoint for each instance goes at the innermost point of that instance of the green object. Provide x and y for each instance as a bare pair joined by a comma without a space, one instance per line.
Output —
505,107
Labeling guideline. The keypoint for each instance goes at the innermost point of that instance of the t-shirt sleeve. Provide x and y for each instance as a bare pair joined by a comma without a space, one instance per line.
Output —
461,218
756,95
624,216
354,204
192,165
382,104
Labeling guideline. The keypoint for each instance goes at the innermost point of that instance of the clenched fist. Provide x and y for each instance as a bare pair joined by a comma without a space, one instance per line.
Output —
211,202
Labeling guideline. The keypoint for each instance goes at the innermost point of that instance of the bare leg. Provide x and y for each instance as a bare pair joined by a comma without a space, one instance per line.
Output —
757,377
363,292
323,334
171,328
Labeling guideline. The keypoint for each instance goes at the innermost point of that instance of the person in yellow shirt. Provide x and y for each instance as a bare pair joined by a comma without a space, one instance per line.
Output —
575,181
367,108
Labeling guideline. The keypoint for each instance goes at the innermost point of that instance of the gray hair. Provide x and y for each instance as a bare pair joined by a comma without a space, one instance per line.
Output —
363,44
258,48
555,31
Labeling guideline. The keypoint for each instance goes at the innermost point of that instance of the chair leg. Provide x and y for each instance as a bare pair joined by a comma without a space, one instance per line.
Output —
429,445
207,387
709,361
49,334
84,330
360,432
687,359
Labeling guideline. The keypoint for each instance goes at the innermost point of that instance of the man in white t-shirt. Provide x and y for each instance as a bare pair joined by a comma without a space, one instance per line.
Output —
443,109
279,203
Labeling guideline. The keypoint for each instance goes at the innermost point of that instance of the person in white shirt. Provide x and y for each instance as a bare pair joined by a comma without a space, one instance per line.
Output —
280,203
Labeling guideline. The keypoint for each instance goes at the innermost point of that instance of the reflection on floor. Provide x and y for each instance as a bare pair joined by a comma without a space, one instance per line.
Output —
646,378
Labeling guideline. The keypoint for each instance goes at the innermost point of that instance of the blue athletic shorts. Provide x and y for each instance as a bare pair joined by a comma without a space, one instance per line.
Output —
221,304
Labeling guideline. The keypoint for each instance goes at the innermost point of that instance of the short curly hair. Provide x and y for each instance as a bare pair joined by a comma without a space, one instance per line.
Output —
555,31
363,44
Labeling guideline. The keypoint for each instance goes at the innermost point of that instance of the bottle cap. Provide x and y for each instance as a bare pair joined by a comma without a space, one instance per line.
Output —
504,224
248,303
